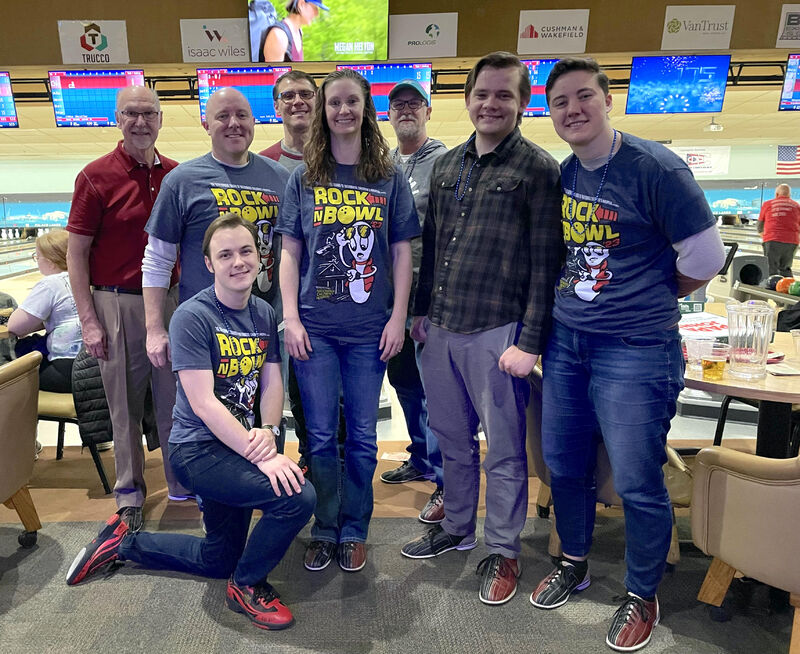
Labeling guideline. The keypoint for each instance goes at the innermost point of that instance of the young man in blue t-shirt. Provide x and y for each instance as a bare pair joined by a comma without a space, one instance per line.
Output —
639,234
224,346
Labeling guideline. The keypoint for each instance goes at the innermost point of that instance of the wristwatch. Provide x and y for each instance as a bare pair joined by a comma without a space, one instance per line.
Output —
273,428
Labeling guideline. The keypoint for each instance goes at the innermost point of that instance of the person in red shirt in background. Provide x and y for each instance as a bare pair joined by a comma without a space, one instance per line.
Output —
779,226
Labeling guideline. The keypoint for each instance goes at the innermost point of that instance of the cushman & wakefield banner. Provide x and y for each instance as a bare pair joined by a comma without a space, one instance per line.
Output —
708,160
215,39
697,27
412,36
93,41
556,31
789,27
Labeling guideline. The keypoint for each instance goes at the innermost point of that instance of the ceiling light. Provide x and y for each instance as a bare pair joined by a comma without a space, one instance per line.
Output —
713,126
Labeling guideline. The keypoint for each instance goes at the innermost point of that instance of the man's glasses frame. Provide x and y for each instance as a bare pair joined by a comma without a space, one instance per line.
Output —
134,115
413,104
289,96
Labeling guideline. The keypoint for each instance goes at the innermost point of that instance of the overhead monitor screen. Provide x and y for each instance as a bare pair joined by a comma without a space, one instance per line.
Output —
8,111
539,70
677,84
87,98
790,93
318,30
383,77
255,84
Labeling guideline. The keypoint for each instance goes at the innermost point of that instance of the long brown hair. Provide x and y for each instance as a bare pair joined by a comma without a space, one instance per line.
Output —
374,163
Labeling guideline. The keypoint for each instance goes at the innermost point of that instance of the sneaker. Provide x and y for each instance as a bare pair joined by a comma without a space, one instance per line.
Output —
435,542
100,553
319,554
433,512
352,556
498,579
632,624
132,516
181,498
105,446
401,475
260,603
555,589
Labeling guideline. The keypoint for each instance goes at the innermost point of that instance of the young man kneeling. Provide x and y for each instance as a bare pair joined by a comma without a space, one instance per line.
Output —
224,347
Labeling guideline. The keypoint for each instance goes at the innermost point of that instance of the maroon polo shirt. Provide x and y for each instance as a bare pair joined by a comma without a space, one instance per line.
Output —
112,201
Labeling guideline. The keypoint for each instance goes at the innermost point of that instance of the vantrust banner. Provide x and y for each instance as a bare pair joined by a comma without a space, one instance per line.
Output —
556,31
215,39
789,27
697,27
90,42
414,36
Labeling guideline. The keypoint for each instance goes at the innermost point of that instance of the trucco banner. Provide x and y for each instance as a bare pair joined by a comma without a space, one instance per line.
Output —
93,41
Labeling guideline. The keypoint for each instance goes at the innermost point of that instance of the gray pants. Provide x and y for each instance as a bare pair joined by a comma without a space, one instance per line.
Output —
466,387
779,257
126,374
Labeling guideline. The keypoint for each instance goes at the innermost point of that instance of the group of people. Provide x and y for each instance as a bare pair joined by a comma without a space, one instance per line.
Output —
580,265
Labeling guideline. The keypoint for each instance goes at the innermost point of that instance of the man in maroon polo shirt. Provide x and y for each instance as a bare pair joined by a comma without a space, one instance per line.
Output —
110,206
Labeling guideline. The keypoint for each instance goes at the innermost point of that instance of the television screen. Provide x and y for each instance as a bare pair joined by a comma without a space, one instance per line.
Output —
790,93
318,30
255,83
87,98
677,84
8,111
383,77
539,70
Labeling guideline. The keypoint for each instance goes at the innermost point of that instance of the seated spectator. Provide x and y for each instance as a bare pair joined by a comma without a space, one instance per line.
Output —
224,346
50,306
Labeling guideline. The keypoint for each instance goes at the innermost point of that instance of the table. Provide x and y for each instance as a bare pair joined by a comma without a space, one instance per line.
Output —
775,394
3,331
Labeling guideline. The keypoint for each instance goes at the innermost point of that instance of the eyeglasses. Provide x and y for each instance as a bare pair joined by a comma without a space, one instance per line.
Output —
134,115
289,96
34,256
399,105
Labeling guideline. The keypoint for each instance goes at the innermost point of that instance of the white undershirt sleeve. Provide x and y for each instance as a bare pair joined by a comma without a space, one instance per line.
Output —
701,255
159,260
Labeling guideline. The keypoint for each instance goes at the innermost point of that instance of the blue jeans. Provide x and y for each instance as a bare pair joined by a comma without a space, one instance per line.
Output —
403,371
623,390
231,488
344,496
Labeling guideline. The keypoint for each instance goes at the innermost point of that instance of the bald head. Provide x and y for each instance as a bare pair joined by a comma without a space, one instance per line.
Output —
137,93
230,123
783,191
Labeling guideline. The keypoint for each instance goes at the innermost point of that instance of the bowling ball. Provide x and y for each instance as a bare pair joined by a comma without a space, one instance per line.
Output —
794,289
783,285
772,282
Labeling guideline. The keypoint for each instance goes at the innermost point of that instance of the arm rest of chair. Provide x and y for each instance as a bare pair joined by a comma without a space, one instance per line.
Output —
747,465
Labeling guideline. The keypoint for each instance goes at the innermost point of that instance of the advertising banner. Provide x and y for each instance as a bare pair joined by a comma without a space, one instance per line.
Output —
423,36
789,27
557,31
697,27
215,39
706,160
93,41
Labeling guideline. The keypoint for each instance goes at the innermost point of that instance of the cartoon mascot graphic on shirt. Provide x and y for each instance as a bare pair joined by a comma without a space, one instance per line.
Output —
359,240
266,255
586,275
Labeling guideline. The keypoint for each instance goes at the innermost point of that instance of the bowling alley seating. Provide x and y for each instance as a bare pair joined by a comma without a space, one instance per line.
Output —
677,474
746,514
19,381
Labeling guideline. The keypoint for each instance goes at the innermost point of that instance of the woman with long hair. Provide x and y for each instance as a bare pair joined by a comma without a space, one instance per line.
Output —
347,219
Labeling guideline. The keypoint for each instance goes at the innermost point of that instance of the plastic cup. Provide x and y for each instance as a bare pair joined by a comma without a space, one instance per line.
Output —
695,347
714,361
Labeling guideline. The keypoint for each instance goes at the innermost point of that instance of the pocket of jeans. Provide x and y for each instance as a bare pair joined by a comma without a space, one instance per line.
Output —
644,341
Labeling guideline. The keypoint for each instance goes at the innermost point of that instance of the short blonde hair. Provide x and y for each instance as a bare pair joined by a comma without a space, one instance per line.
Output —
53,247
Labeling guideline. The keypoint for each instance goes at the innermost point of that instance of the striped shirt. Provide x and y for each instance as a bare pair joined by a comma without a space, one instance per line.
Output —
492,257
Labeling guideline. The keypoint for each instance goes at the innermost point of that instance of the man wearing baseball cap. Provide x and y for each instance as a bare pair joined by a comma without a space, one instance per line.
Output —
409,112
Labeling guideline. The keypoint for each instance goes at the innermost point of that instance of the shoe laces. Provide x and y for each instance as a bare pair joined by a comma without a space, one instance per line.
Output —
437,497
492,565
264,593
632,602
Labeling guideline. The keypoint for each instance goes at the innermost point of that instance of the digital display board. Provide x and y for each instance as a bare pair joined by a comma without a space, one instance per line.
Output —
383,77
255,84
677,84
790,93
87,98
539,70
322,30
8,111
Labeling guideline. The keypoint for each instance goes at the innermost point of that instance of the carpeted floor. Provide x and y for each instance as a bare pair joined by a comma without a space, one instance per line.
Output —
393,605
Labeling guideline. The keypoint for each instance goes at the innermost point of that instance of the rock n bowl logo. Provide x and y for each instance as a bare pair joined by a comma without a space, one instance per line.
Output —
432,31
92,38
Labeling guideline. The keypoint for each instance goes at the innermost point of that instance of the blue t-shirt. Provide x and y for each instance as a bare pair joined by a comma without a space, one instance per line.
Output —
347,228
196,192
619,276
233,344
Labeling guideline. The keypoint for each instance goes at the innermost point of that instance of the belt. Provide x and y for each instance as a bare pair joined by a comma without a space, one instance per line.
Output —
118,289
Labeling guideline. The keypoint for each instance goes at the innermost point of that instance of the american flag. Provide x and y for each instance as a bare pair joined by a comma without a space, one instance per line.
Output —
788,160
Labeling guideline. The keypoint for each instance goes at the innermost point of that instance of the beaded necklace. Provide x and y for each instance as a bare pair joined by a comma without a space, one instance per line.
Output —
225,320
602,179
461,170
